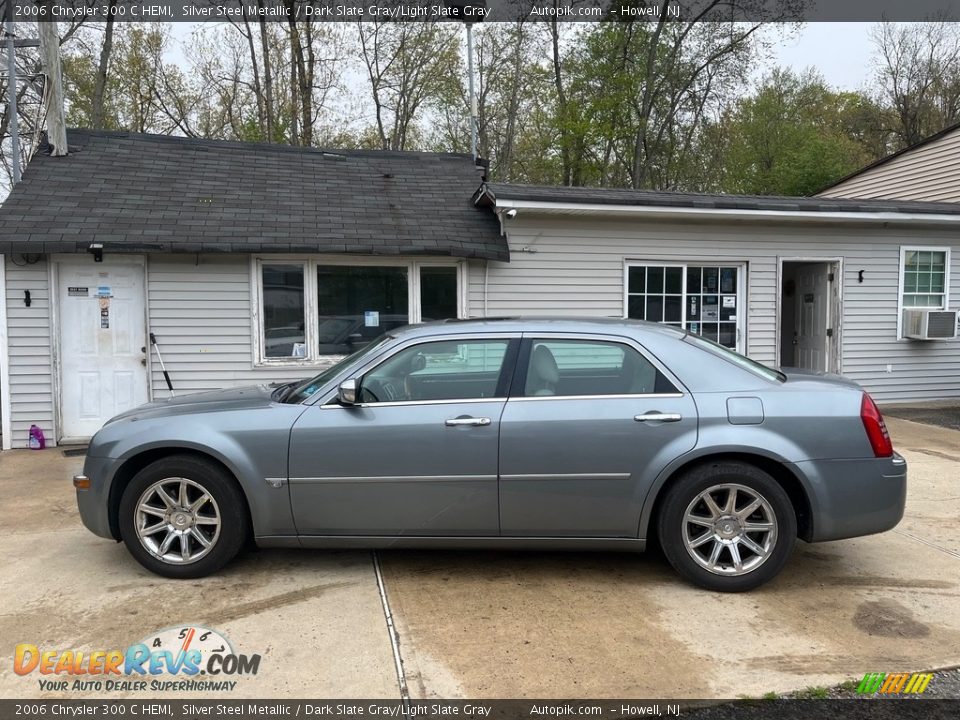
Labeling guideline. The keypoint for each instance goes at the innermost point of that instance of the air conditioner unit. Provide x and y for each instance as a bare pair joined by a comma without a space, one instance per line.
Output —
930,324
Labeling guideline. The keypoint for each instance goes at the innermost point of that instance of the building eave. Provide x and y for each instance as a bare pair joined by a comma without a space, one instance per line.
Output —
504,205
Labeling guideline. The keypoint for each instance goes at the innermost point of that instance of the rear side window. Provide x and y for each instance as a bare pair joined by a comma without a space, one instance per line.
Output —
736,358
590,367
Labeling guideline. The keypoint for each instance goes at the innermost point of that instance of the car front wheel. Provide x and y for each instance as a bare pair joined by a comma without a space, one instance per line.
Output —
183,517
727,526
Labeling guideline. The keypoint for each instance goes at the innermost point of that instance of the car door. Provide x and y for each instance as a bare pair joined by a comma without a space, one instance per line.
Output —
590,423
417,454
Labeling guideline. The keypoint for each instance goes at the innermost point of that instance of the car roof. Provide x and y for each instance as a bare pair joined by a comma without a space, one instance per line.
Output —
599,326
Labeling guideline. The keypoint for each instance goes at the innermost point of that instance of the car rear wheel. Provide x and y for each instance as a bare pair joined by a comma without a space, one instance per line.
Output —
727,526
183,517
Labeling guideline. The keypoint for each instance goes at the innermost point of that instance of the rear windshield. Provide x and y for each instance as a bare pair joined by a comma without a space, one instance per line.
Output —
737,359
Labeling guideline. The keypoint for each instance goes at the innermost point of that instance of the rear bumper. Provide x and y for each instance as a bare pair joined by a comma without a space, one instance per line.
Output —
850,498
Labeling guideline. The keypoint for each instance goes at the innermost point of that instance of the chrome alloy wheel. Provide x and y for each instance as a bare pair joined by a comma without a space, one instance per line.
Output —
729,529
177,521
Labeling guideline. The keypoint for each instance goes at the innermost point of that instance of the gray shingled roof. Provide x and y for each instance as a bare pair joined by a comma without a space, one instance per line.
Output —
498,192
143,193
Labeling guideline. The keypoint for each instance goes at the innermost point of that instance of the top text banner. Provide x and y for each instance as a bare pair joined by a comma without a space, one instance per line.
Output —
473,11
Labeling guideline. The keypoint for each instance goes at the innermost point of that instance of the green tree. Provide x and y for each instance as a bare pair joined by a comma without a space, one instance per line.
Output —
791,137
637,96
918,77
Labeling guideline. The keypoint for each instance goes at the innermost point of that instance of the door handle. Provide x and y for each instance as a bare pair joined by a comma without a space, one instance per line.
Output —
453,422
659,417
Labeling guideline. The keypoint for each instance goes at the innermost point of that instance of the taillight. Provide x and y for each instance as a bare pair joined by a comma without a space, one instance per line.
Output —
876,428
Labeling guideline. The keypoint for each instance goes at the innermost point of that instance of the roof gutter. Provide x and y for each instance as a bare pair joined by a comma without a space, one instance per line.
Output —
691,213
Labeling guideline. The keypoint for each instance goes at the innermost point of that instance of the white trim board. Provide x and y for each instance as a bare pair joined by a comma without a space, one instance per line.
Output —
5,423
812,216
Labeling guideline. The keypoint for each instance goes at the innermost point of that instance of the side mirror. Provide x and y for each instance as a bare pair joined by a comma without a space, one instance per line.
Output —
348,392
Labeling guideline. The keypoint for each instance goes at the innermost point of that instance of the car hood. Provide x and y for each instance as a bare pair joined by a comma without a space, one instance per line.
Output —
796,376
239,398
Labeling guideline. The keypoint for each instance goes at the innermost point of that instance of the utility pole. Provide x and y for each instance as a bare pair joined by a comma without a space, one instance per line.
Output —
11,45
470,12
53,87
473,97
12,95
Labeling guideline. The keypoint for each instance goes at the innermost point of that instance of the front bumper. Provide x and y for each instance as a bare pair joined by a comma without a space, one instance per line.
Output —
850,498
94,503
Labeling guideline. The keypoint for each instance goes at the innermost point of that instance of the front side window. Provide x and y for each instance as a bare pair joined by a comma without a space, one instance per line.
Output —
308,388
704,299
445,370
924,278
314,309
590,367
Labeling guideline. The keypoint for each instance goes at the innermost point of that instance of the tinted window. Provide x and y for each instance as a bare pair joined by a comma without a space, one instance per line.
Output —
588,367
738,359
358,303
438,292
450,370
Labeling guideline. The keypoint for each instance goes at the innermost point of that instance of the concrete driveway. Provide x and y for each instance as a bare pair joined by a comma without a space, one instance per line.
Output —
484,624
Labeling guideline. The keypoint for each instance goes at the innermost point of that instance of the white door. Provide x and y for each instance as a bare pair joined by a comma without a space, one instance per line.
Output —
102,336
812,301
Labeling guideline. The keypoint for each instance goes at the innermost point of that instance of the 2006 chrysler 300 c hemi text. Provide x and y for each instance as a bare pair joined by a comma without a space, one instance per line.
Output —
511,433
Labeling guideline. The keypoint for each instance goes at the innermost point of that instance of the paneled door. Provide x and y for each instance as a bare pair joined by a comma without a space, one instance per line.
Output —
102,340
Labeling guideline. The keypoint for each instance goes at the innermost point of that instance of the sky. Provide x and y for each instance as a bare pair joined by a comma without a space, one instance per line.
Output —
840,51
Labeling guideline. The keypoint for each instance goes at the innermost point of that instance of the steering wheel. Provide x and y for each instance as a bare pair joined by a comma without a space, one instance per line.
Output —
377,390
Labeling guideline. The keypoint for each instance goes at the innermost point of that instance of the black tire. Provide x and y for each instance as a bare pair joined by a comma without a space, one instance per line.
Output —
671,526
234,526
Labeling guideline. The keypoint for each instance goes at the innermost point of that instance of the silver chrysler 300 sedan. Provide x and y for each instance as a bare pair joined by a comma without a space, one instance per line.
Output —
509,433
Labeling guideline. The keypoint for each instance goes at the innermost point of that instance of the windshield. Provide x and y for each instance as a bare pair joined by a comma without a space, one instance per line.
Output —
737,359
304,390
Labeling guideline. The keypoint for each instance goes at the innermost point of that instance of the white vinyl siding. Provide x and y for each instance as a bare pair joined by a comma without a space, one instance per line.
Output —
574,266
200,311
28,329
930,172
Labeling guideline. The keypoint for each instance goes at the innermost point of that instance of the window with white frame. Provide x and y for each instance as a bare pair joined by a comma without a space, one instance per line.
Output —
313,308
704,299
924,273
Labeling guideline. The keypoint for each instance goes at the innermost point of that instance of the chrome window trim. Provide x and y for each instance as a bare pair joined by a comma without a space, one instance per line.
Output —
527,398
403,403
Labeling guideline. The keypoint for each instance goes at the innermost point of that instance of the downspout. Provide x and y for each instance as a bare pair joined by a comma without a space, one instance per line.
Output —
486,282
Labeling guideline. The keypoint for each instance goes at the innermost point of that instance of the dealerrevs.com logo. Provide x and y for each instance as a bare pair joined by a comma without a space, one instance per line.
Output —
190,658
